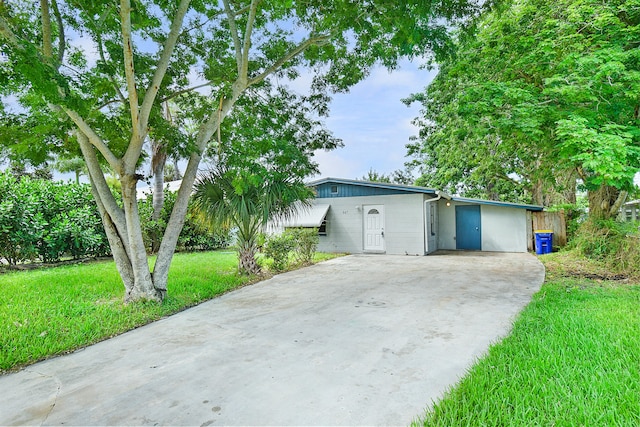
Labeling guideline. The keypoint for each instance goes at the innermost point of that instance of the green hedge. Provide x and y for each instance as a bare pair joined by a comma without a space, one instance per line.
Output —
194,236
47,220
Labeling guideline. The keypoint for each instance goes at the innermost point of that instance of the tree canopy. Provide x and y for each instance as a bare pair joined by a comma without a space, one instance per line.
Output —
99,72
539,95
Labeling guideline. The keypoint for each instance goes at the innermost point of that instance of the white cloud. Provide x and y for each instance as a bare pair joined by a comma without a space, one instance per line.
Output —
374,124
334,164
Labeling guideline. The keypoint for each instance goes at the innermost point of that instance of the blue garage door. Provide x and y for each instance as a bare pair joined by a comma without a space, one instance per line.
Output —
468,228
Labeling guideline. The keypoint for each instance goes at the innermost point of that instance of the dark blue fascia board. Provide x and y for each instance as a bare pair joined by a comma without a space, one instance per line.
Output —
534,208
383,185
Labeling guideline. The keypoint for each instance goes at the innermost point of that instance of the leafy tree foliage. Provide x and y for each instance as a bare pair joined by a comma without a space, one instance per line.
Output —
397,177
107,107
375,176
543,93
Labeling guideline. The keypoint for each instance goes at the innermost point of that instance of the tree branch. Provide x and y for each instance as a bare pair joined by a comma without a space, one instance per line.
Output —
233,27
45,18
132,155
127,48
317,40
180,92
210,18
105,197
95,140
109,76
622,197
163,63
62,43
247,37
112,101
7,34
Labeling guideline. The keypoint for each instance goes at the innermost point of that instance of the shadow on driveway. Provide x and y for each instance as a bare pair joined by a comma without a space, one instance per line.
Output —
359,340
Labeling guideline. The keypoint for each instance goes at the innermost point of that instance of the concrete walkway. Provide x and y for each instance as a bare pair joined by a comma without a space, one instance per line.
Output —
359,340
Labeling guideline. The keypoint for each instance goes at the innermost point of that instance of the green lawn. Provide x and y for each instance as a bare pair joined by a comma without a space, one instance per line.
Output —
51,311
572,359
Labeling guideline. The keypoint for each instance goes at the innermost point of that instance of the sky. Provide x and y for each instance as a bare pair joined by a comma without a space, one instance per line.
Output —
373,123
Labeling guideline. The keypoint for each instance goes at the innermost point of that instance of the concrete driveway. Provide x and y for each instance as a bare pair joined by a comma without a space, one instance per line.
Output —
359,340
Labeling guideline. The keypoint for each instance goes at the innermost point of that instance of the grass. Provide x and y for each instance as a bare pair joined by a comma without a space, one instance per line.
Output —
52,311
572,359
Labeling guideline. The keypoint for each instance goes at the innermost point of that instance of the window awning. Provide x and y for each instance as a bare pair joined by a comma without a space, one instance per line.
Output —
308,216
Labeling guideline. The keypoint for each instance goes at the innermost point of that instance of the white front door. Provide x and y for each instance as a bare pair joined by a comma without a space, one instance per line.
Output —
373,227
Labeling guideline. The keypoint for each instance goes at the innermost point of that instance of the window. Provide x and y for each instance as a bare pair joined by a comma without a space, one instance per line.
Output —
322,230
334,189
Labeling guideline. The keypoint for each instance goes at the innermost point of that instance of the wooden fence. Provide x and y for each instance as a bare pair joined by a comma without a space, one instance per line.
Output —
554,221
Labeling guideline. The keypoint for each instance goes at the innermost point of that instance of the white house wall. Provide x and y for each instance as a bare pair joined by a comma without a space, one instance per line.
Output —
446,225
403,223
504,229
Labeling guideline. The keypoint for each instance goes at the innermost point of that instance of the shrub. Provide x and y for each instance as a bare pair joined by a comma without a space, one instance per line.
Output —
197,237
301,241
47,220
616,244
277,247
306,242
194,235
21,225
78,233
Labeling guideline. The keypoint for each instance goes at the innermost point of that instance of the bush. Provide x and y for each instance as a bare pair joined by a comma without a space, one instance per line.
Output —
616,244
47,220
277,247
21,225
197,237
78,233
301,241
306,242
194,235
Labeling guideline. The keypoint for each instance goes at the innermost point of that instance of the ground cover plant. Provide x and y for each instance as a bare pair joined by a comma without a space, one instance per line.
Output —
571,358
52,311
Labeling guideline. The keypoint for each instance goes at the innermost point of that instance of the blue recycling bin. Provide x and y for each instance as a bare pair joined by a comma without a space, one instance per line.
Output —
544,241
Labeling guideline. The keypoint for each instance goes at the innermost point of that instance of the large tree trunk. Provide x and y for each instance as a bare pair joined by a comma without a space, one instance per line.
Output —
537,192
605,202
122,226
143,284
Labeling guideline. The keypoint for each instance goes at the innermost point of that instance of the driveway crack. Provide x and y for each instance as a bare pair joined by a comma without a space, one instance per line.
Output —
55,399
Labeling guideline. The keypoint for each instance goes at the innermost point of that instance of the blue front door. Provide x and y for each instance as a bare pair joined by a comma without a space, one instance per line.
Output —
468,228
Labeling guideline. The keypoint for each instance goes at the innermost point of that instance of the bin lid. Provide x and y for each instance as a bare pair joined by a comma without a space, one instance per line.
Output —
543,231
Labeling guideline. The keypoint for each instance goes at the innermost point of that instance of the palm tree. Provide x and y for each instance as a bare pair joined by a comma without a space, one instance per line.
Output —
247,201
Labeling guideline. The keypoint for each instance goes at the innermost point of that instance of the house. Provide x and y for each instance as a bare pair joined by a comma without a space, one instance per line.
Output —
372,217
